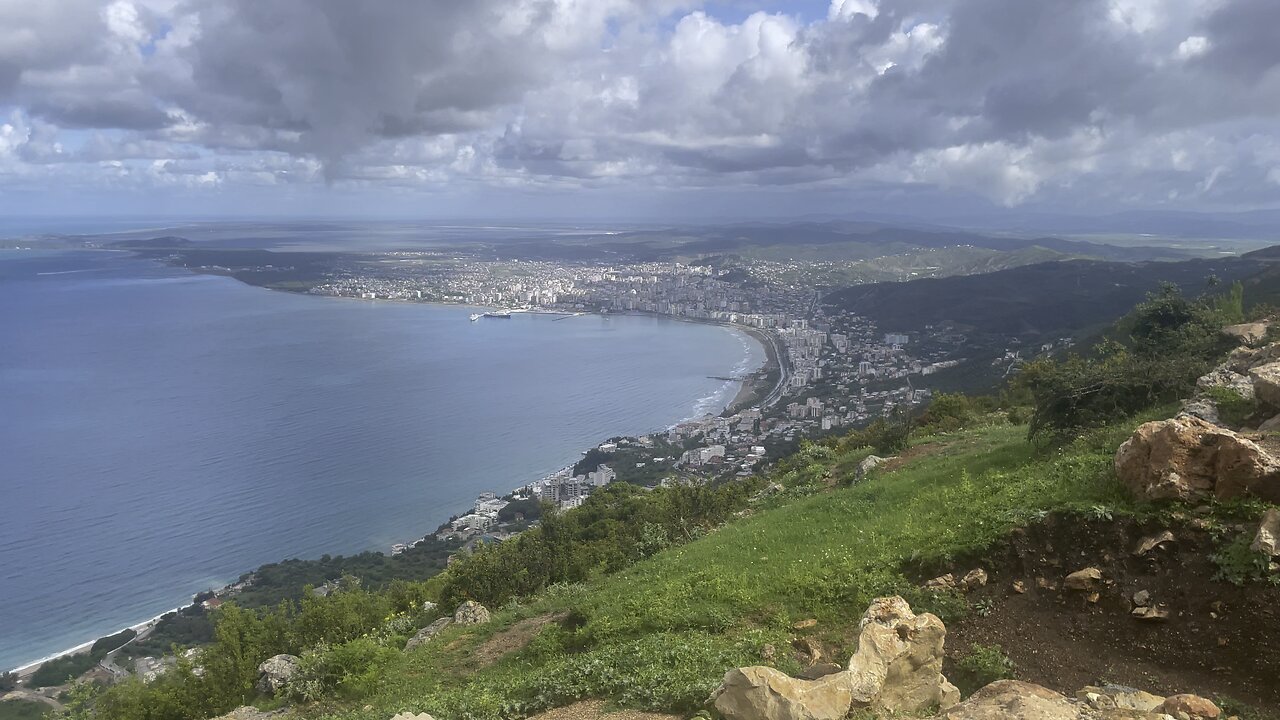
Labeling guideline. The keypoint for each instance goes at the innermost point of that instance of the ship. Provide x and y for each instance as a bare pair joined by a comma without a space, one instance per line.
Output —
506,314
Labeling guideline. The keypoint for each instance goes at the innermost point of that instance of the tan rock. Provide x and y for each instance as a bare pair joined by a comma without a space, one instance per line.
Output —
1186,458
1120,697
1019,587
275,673
1151,612
941,583
1193,706
409,716
762,693
975,578
1251,334
897,667
1013,700
805,624
1266,383
1082,580
1151,542
1267,539
248,713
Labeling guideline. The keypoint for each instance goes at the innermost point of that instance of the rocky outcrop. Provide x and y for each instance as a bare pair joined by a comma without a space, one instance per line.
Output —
471,613
1266,383
1187,458
1118,697
275,674
427,633
897,668
868,464
1225,377
762,693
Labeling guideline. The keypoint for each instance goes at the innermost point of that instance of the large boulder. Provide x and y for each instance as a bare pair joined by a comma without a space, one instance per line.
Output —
275,674
1250,334
1017,700
1266,383
1191,707
471,613
1187,458
762,693
427,633
897,667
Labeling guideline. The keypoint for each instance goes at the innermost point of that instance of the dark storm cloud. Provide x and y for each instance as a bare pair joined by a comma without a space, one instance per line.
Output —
1161,99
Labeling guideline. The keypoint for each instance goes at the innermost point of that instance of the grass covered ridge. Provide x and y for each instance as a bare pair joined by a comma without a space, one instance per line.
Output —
661,633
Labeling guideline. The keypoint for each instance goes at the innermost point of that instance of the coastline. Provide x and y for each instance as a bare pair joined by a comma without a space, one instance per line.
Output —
746,389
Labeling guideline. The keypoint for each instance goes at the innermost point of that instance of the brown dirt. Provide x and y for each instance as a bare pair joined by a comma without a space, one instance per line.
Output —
1219,639
595,710
512,639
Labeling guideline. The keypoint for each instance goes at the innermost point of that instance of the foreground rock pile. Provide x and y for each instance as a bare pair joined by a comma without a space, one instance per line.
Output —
897,670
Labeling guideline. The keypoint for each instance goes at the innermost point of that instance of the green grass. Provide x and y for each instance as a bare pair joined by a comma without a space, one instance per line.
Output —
660,634
22,710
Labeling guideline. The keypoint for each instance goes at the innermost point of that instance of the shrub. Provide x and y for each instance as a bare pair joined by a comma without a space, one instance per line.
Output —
983,664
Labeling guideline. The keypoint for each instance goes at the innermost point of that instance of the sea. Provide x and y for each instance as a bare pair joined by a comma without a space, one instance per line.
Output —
163,432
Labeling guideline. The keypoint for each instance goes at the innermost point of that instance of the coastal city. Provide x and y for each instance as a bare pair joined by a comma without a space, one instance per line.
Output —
827,370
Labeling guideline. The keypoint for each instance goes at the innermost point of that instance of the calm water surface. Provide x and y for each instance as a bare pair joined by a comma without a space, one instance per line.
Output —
162,432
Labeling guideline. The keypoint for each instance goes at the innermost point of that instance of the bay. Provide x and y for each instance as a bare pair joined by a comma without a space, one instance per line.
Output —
163,432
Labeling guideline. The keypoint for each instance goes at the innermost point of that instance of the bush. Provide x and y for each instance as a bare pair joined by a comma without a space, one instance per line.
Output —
982,665
948,412
1169,342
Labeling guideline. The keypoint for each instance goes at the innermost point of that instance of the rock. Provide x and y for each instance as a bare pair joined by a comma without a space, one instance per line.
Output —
897,667
762,693
820,670
410,716
1150,612
1019,587
808,651
975,578
1203,408
941,583
1083,580
768,491
427,633
1251,334
471,613
248,713
428,606
1270,425
1187,458
1193,706
1266,383
805,624
1225,377
1151,542
1142,598
868,464
1120,697
275,673
1267,539
1012,700
1045,584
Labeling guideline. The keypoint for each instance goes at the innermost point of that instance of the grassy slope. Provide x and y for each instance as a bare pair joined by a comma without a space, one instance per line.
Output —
660,634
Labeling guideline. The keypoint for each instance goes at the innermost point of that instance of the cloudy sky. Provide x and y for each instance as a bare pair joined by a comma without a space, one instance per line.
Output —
637,107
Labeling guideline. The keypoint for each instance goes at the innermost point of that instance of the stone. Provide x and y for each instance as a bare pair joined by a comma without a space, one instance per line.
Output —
868,464
1193,706
1013,700
428,606
1150,612
427,633
1267,539
275,673
1142,598
762,693
1045,584
471,613
1186,458
975,578
809,651
1251,334
1019,587
411,716
1266,383
1225,377
941,583
1120,697
805,624
1202,408
248,713
897,667
1151,542
820,670
1083,580
1270,425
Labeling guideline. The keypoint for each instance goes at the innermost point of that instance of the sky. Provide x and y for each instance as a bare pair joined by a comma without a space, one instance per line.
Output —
637,108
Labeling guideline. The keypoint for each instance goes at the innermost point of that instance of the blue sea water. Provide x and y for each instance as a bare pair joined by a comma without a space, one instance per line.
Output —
163,432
